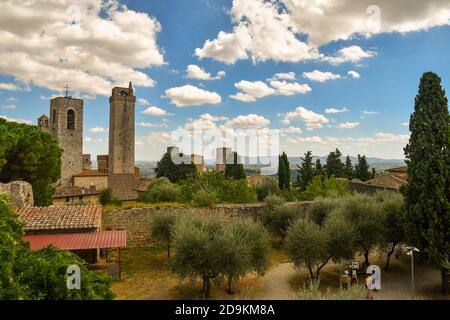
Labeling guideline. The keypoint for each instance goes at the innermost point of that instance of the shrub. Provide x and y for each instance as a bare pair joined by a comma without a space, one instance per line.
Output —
107,198
321,208
227,190
312,292
160,190
205,198
269,186
161,229
213,248
277,216
322,186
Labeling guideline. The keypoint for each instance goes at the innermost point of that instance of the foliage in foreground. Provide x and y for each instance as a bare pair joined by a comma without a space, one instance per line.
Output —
107,198
161,229
37,275
212,188
312,292
323,186
213,248
28,154
160,190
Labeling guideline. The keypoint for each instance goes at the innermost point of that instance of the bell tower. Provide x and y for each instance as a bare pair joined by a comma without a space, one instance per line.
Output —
121,130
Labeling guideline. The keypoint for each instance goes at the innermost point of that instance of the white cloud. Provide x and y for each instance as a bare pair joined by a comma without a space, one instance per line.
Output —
189,95
262,31
320,76
351,54
290,88
9,86
310,118
250,121
98,130
152,125
348,125
195,72
283,76
107,47
25,121
354,74
12,99
334,110
325,21
8,107
156,112
288,130
251,91
369,113
143,102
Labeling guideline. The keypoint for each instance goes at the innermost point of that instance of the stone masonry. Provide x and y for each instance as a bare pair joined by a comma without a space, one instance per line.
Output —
19,193
137,221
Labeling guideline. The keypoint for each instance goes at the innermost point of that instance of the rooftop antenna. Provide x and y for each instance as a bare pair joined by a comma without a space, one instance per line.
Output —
66,91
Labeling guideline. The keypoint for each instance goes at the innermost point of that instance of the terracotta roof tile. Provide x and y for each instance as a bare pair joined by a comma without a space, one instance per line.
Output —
61,218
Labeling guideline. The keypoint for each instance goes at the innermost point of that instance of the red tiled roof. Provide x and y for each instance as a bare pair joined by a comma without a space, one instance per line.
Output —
61,218
79,241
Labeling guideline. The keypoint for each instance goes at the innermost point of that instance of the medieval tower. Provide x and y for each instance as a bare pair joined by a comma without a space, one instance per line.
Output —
66,127
121,131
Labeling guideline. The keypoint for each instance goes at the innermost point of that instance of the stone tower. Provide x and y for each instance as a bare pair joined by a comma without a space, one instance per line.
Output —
44,123
121,131
66,127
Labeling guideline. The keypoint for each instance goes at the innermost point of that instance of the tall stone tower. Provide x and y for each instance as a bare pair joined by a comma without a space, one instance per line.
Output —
66,127
121,130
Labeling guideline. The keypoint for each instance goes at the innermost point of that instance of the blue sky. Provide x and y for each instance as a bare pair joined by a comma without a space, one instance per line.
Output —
388,61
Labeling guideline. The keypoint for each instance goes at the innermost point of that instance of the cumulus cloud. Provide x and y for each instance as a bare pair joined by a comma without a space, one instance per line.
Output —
152,125
98,130
262,31
270,29
8,107
350,54
354,74
9,86
320,76
195,72
156,112
250,121
283,76
288,130
189,95
143,102
25,121
290,88
335,110
251,91
348,125
370,113
310,118
94,44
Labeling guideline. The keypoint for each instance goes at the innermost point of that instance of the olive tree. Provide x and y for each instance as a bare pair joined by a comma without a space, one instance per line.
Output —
278,216
161,229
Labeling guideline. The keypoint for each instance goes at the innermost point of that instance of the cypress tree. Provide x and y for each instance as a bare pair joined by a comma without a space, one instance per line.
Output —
348,168
335,167
284,172
427,195
319,169
305,171
362,169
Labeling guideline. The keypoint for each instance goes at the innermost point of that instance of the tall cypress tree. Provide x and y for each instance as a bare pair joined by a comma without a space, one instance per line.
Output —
335,167
427,195
362,169
319,169
348,168
305,171
284,172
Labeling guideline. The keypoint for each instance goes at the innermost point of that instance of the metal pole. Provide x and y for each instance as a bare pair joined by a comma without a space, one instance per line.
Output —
412,274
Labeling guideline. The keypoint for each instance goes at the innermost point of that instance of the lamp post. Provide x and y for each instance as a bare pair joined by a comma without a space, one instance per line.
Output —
410,252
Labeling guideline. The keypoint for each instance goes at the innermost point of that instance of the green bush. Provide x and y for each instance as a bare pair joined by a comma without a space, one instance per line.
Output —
161,229
160,190
214,183
269,186
107,198
322,186
277,216
312,292
215,248
205,198
321,208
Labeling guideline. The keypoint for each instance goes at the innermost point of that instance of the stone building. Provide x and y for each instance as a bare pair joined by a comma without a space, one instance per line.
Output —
87,163
222,156
66,126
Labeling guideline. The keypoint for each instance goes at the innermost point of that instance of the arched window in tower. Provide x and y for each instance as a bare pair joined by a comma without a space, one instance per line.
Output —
54,119
71,119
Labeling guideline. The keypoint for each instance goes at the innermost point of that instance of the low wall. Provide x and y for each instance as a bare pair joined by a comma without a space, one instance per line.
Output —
368,188
137,221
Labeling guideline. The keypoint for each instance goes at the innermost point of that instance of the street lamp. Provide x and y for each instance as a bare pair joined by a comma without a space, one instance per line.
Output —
410,252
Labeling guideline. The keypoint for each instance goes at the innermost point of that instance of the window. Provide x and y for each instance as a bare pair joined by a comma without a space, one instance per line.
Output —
54,119
71,119
46,123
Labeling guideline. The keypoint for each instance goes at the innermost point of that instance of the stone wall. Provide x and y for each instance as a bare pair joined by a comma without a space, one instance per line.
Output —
19,193
367,188
137,221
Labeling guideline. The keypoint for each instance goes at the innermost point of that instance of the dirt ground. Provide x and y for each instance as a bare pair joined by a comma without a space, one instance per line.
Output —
146,276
